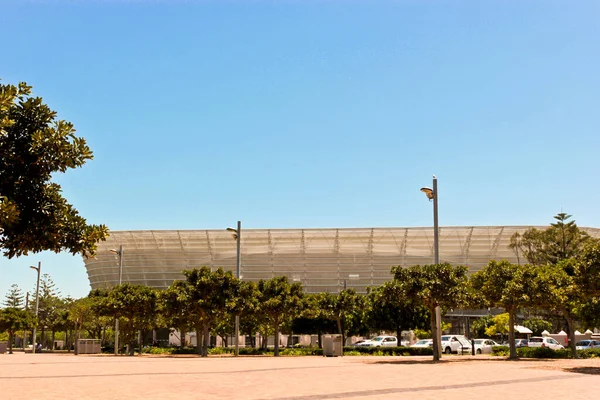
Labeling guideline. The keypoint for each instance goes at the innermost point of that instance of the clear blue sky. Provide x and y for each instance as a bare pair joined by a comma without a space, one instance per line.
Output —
295,114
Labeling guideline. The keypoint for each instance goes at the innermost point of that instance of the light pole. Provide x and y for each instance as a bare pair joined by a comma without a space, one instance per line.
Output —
237,236
432,194
120,254
37,301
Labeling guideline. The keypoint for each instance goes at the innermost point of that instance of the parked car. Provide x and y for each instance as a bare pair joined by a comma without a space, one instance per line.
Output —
484,346
423,343
587,344
455,344
521,342
538,341
380,341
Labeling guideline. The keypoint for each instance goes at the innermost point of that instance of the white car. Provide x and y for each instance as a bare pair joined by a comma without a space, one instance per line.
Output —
455,344
423,343
484,346
380,341
538,341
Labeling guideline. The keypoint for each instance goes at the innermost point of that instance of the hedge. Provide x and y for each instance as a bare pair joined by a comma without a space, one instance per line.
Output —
299,351
544,352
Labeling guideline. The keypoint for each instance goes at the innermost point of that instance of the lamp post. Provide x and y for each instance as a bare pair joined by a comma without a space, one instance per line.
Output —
237,236
37,302
120,254
432,194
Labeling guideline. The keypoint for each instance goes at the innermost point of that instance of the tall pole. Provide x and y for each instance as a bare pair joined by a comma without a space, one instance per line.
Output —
436,252
120,253
238,275
25,330
37,303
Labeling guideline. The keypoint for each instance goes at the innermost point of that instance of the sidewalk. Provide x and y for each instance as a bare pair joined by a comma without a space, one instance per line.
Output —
50,376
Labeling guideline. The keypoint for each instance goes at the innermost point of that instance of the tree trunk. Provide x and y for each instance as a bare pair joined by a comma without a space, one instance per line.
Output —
198,341
511,335
10,342
399,335
276,339
206,335
181,337
437,352
53,337
571,327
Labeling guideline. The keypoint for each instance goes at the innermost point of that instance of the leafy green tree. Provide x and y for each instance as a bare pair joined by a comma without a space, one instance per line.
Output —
344,308
508,286
537,325
390,310
480,325
500,325
279,302
433,285
34,147
49,314
212,295
175,307
572,284
14,297
134,305
562,240
12,320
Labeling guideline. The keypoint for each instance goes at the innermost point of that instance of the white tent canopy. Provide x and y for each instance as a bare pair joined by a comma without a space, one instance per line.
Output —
522,329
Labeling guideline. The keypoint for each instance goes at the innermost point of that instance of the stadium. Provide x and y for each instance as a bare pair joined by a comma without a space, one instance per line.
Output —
323,260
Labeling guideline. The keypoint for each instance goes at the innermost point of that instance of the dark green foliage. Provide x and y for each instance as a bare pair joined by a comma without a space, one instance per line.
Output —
390,310
390,351
34,146
13,320
433,285
562,240
14,297
280,302
134,305
479,326
537,325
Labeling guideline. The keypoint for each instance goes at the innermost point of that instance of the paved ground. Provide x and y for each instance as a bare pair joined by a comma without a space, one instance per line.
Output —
48,376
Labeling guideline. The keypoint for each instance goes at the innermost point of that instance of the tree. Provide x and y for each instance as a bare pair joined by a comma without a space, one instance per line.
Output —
537,325
433,285
279,302
344,308
49,307
174,307
134,305
500,325
479,326
14,319
14,297
562,240
34,146
212,294
508,286
390,310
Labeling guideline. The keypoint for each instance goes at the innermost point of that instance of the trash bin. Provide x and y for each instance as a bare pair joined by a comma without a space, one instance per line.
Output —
3,347
332,346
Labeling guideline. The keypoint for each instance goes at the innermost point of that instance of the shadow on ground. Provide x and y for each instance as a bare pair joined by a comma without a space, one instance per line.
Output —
584,370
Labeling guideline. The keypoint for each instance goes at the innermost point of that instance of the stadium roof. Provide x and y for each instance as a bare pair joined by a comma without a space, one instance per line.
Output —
323,260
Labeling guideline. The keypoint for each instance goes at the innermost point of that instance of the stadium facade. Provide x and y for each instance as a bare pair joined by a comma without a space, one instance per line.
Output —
323,260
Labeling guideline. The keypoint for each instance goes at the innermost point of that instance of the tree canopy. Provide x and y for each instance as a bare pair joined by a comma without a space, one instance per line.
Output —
34,146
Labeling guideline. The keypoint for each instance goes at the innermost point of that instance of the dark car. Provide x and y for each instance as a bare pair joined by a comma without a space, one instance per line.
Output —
521,342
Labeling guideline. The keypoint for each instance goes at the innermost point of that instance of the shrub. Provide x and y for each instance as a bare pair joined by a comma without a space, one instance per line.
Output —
389,351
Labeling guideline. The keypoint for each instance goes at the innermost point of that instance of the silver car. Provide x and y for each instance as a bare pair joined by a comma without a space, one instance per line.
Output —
587,344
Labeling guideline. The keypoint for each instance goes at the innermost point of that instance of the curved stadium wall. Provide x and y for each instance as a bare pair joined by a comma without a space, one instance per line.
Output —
323,260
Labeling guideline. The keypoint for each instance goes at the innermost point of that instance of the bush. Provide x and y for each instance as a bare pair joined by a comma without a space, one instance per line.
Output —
544,352
388,351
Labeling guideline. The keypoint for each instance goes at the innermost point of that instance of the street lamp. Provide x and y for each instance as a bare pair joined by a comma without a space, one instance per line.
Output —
237,236
432,194
120,254
37,301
